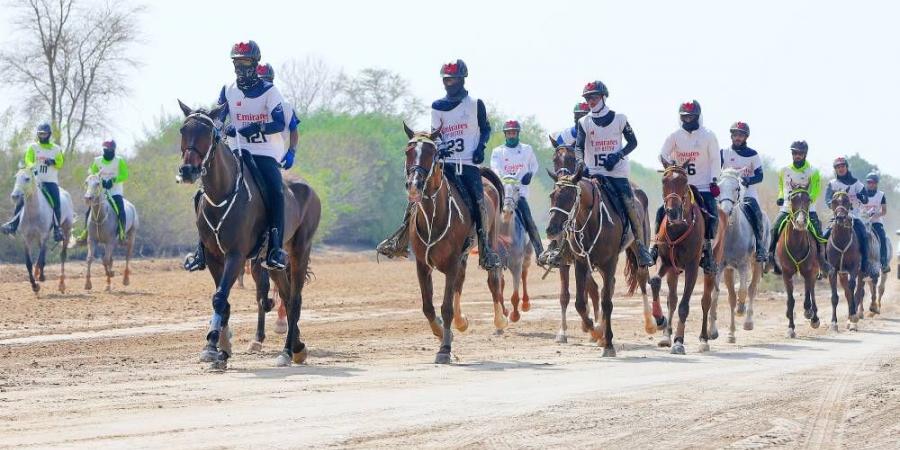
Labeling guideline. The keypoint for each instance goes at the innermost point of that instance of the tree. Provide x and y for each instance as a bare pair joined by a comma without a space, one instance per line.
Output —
71,61
310,85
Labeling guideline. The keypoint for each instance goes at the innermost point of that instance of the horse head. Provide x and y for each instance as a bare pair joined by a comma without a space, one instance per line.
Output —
93,189
565,201
676,192
799,206
511,193
731,190
24,184
840,204
564,158
421,163
199,136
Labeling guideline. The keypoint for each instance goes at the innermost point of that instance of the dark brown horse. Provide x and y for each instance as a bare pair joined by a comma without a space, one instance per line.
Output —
680,241
844,255
231,222
581,223
797,253
442,234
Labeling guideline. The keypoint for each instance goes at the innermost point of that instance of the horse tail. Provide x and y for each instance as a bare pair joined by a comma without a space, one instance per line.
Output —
494,179
631,270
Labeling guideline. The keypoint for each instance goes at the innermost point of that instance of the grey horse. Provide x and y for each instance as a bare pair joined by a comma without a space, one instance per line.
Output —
103,231
36,222
876,283
516,249
740,248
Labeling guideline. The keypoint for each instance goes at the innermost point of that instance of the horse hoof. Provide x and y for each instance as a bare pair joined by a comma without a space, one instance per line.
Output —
42,278
514,316
126,281
300,357
208,354
108,288
596,334
791,334
561,338
462,324
498,332
814,324
501,323
442,358
608,352
254,347
677,349
36,288
833,327
731,339
584,328
436,328
853,318
526,305
703,347
714,335
281,326
283,359
662,323
853,327
219,364
88,286
748,326
665,341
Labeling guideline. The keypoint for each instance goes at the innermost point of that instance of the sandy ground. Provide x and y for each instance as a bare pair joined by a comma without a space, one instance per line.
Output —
120,369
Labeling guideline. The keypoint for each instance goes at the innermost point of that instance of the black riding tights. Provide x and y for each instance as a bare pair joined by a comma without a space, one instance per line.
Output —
469,182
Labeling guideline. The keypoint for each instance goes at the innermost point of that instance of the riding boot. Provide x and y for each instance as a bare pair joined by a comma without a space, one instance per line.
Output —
756,221
81,238
654,250
706,261
197,260
277,257
878,229
524,212
397,244
488,259
13,225
863,235
773,242
644,258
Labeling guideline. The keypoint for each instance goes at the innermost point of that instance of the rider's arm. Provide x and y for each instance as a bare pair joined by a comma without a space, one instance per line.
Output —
274,103
579,142
123,172
814,186
60,159
532,162
495,162
861,193
781,184
715,157
630,139
94,169
829,192
223,113
883,211
484,126
293,126
756,177
665,154
29,157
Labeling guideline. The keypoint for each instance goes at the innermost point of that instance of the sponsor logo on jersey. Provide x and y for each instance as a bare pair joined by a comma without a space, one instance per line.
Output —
263,117
454,130
605,145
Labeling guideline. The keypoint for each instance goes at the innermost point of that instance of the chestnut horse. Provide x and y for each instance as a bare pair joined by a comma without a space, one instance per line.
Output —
442,234
797,253
844,255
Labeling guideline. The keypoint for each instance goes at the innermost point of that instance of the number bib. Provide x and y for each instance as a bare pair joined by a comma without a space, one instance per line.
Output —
244,110
599,142
459,130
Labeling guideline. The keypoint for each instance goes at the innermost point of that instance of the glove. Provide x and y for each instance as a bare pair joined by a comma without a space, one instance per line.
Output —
526,180
611,160
50,162
478,156
288,160
714,190
745,181
250,129
107,184
779,202
443,153
229,130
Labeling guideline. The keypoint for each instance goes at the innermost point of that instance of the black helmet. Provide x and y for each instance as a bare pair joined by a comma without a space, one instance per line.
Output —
247,49
266,72
595,88
691,108
873,176
456,69
740,126
799,146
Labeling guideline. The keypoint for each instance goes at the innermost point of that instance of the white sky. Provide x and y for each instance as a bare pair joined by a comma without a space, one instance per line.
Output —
824,71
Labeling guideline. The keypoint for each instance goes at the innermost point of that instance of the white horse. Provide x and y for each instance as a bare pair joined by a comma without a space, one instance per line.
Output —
875,284
36,222
740,250
103,230
516,248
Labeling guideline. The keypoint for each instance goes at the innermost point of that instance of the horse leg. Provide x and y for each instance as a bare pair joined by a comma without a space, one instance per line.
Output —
835,299
516,272
107,265
62,263
649,322
581,279
264,304
671,302
89,261
706,299
426,287
733,305
41,262
219,336
810,285
443,355
755,276
714,306
593,290
788,279
609,283
460,320
495,279
561,337
848,282
684,306
129,248
299,268
30,267
661,322
526,300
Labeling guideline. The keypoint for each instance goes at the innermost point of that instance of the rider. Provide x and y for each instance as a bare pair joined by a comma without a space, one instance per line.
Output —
48,159
567,137
844,181
254,107
113,172
598,144
745,159
291,134
517,160
799,173
465,130
697,146
875,207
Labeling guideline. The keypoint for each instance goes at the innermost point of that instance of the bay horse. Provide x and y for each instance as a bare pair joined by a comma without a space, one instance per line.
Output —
581,223
844,256
680,241
515,248
35,225
103,231
797,254
231,222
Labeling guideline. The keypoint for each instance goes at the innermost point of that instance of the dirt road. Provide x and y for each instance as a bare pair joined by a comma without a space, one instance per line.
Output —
120,370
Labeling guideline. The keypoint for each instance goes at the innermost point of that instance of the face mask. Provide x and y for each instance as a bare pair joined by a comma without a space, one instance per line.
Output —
512,142
691,126
600,105
43,139
246,76
109,154
456,91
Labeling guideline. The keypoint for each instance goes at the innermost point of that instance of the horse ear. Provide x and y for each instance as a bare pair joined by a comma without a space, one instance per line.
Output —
579,171
685,164
552,142
185,108
409,132
436,132
215,112
552,175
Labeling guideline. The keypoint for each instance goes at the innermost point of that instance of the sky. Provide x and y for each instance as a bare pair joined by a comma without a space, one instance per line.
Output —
823,71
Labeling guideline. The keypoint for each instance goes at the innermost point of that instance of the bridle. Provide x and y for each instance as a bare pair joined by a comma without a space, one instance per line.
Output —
734,202
686,199
571,230
563,171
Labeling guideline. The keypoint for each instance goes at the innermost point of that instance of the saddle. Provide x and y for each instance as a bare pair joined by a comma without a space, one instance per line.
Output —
617,206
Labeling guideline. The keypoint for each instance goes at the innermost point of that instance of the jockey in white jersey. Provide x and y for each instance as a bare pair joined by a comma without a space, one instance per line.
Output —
465,130
567,136
844,181
255,120
113,173
746,160
291,134
599,146
515,159
696,146
875,208
45,159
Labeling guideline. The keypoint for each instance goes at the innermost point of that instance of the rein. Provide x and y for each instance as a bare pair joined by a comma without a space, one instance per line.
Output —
664,229
430,240
787,234
574,233
847,224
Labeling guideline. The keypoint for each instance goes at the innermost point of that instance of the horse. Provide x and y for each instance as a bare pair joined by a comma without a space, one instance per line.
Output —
580,220
442,234
515,248
231,222
739,253
103,230
844,255
35,223
680,242
797,253
876,280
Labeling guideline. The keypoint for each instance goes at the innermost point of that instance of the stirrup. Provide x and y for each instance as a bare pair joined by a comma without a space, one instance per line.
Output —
57,234
195,261
275,260
8,228
390,248
488,259
644,257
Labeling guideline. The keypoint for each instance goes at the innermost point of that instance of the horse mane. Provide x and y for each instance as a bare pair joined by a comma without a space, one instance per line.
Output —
494,179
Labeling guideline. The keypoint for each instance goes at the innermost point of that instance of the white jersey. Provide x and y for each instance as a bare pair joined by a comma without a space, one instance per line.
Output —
244,110
566,136
852,190
460,132
46,173
599,142
746,164
872,207
700,150
110,170
514,162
